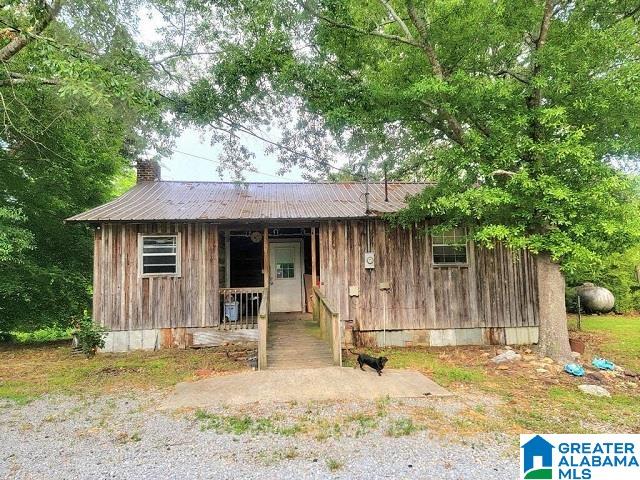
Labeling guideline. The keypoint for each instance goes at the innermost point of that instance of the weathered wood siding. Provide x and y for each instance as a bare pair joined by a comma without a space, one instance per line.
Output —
496,289
123,300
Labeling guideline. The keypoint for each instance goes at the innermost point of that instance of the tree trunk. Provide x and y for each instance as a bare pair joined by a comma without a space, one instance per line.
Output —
554,333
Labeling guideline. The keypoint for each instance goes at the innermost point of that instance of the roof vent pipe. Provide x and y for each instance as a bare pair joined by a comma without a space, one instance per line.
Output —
367,209
386,184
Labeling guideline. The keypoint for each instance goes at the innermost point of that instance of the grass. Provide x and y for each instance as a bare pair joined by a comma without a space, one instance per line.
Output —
322,429
245,424
124,437
29,371
334,465
365,423
524,400
516,400
401,427
429,362
612,336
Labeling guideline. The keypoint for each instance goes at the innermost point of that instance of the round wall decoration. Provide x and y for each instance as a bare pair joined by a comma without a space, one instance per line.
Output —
256,237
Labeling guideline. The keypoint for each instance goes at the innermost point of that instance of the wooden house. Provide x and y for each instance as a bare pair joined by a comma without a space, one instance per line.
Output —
201,263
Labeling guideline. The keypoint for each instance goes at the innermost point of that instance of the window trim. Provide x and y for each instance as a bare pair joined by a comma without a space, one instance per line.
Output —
451,264
141,237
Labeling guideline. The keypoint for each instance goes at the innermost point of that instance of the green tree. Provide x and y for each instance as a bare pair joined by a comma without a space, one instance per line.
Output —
77,110
524,112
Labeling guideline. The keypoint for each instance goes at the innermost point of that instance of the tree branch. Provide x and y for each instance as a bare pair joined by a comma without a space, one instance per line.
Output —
482,128
397,19
448,124
512,74
423,31
534,100
502,173
167,57
456,131
233,125
546,23
21,40
361,31
631,13
17,78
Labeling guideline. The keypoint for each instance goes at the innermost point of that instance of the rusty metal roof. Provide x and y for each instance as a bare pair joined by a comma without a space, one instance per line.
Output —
218,201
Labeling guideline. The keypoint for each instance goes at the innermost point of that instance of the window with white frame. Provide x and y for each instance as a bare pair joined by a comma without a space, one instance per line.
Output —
449,247
160,254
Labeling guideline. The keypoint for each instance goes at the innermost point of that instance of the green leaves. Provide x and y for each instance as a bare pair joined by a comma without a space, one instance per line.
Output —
15,239
78,109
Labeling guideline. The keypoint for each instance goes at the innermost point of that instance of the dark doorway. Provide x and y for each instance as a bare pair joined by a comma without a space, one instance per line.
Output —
246,261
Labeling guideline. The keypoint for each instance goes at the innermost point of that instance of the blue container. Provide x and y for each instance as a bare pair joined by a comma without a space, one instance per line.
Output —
231,311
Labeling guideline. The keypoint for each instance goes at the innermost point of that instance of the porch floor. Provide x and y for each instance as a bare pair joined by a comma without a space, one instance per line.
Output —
293,341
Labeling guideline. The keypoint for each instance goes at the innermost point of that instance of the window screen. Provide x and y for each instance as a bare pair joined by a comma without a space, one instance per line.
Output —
450,247
160,255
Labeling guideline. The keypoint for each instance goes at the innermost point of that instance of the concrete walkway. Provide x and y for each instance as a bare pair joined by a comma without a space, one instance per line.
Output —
328,383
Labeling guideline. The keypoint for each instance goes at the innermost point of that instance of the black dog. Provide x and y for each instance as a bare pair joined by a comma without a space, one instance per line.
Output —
376,363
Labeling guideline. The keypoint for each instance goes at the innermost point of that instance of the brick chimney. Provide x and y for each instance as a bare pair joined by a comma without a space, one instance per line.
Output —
148,171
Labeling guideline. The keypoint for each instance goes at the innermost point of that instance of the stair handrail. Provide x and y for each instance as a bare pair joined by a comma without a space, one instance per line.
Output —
329,319
263,327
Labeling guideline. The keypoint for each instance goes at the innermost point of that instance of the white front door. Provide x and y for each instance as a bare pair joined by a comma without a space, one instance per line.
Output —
286,277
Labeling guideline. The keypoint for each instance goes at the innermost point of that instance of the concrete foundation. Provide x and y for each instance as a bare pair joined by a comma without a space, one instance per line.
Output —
447,337
124,341
154,339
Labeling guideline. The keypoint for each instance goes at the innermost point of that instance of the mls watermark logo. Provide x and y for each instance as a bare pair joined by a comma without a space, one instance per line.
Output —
580,457
537,449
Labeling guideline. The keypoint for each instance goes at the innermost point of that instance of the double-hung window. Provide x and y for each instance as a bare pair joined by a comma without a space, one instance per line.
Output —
160,255
450,247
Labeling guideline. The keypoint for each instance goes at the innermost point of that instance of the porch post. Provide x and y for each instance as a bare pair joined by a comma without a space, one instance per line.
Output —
263,317
313,258
266,262
227,258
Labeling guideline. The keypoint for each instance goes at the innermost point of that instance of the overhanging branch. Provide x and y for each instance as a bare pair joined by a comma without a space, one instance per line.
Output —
18,78
361,31
21,40
170,56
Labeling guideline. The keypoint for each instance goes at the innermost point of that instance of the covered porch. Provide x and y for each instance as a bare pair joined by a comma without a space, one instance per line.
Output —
270,284
254,259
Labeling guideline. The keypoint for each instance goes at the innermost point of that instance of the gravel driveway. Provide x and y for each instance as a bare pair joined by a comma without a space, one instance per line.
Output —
120,437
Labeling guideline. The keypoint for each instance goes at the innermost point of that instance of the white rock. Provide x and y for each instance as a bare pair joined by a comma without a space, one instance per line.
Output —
575,355
541,370
507,347
508,356
595,390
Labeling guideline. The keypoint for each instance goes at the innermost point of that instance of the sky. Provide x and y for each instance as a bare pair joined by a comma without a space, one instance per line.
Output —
182,165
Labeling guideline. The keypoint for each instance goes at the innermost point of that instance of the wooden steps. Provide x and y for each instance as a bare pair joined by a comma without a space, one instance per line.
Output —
293,341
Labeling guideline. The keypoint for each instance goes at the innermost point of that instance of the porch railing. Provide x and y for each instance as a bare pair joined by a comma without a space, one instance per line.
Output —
329,319
240,307
263,328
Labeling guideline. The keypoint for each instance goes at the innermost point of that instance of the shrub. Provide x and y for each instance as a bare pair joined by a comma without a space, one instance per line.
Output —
401,427
89,335
43,335
5,337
